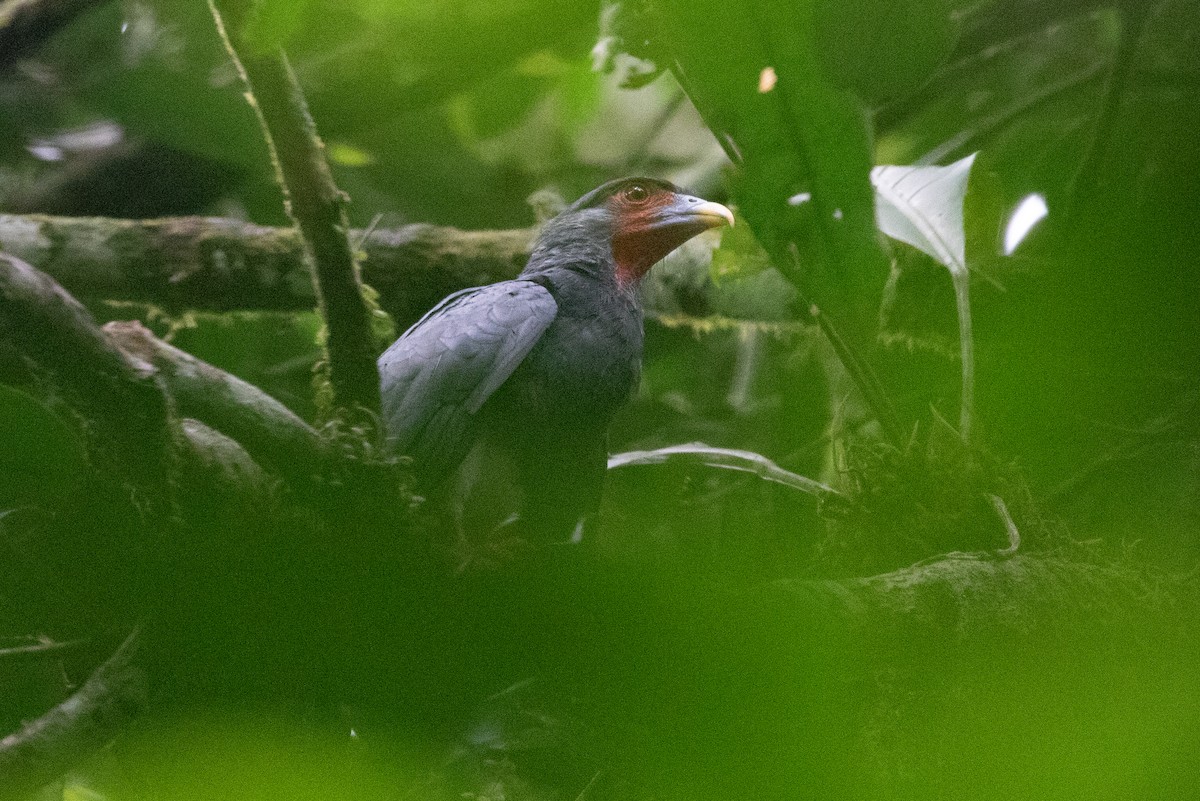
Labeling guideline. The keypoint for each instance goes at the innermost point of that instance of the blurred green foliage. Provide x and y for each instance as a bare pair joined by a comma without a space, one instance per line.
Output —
42,454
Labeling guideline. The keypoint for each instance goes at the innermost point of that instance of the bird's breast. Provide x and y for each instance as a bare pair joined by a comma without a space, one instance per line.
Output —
588,365
583,369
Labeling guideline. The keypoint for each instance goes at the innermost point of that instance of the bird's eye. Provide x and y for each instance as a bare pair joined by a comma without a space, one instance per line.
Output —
636,193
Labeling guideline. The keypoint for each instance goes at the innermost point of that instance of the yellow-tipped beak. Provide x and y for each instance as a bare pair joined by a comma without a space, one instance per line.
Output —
714,214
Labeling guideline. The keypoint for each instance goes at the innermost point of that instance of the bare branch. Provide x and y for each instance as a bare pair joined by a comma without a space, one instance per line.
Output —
47,747
270,432
726,459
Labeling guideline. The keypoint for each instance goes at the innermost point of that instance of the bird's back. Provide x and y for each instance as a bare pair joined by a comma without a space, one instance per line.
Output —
438,376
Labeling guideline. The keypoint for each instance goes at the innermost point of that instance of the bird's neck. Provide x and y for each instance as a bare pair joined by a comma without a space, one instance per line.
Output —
583,249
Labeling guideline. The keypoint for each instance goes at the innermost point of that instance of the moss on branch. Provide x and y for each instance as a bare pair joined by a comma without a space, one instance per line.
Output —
219,264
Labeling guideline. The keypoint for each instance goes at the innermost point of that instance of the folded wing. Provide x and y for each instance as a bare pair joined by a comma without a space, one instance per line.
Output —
438,375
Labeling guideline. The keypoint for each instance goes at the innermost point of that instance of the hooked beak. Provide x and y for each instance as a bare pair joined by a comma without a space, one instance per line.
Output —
692,214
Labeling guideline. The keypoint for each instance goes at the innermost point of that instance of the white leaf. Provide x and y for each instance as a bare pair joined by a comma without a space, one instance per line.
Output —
923,206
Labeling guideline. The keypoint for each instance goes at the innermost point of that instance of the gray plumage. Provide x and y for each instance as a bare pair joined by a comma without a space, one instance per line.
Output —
437,377
527,374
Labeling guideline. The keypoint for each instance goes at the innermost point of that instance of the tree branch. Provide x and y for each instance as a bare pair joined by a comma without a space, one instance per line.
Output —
39,650
47,747
50,344
315,204
269,432
220,264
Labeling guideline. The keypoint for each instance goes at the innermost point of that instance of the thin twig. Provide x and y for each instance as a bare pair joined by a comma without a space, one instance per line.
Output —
969,139
639,152
860,373
78,727
726,459
863,377
1010,528
41,649
588,786
989,31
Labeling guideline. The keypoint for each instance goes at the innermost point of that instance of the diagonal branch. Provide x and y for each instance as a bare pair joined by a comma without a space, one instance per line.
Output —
49,343
315,204
269,432
45,748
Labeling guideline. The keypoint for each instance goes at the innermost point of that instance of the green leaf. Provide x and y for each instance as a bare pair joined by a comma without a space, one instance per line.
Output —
803,146
499,103
272,23
738,256
41,457
883,51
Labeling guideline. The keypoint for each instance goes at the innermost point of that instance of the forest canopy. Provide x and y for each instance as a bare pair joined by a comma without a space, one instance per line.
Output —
905,505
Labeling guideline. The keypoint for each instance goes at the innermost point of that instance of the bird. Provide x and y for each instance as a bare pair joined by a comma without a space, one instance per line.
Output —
511,386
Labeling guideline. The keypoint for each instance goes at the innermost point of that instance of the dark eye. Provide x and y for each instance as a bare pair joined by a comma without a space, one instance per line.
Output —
636,193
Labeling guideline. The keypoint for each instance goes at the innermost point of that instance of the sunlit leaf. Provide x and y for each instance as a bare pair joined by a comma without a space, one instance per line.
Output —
883,50
345,154
273,22
75,791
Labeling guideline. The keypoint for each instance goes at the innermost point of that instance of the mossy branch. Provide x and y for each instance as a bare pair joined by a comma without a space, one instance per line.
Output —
47,747
218,264
315,204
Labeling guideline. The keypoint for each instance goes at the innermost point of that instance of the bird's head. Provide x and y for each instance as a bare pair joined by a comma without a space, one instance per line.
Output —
629,223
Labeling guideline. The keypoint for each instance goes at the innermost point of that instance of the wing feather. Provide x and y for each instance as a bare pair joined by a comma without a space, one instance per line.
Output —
439,374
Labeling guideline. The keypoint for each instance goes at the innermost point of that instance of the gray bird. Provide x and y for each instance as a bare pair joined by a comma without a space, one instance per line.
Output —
513,385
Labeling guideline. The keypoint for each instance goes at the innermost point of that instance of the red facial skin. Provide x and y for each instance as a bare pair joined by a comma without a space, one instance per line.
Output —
636,244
